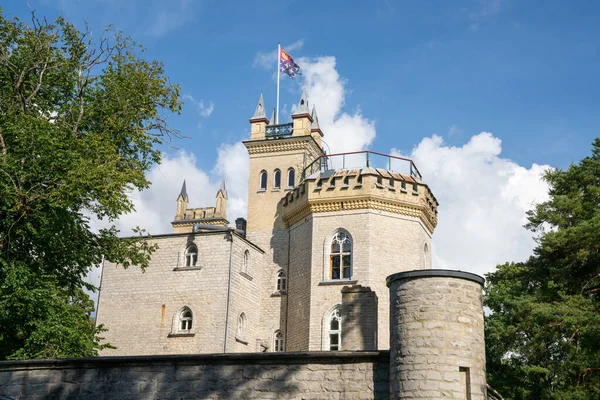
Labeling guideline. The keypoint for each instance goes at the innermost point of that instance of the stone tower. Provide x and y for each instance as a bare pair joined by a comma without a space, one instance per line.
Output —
278,155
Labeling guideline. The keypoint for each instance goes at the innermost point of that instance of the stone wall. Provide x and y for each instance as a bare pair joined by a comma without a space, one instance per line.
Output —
360,375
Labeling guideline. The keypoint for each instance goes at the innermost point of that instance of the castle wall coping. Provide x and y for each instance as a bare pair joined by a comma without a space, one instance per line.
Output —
316,357
435,273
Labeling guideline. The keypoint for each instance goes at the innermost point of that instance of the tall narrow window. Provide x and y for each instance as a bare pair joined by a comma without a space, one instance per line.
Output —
241,323
425,256
341,256
291,178
263,180
246,261
191,255
335,330
279,343
185,320
281,281
277,179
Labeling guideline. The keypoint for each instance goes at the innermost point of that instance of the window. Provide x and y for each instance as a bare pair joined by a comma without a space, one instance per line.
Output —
263,180
246,261
291,178
281,281
277,179
335,330
191,255
185,320
341,256
279,343
240,328
426,256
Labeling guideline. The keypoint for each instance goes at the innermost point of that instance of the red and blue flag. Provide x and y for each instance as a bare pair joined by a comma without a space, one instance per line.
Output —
288,65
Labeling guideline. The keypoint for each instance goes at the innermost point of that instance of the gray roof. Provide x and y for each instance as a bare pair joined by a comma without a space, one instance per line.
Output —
315,122
183,194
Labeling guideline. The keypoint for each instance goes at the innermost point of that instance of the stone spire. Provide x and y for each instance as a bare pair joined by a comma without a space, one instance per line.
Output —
183,194
221,207
223,189
314,126
259,113
272,120
302,105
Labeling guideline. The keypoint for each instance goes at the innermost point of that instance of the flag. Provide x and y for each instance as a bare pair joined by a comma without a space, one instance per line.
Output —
287,64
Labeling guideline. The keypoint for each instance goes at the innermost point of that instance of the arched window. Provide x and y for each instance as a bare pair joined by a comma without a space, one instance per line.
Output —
191,255
281,281
246,261
340,256
335,330
425,256
185,320
263,180
277,179
278,344
291,178
241,323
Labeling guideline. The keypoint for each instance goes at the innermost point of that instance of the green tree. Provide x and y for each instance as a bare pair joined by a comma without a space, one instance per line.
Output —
543,332
81,120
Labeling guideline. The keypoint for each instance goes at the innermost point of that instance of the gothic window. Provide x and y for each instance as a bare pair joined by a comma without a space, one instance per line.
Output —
241,323
281,281
279,343
335,330
340,256
185,320
263,180
246,261
191,255
291,178
277,179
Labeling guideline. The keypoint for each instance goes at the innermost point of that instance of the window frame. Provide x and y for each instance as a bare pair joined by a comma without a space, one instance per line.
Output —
281,283
263,180
341,257
333,312
276,178
292,173
186,320
189,256
246,261
278,341
240,326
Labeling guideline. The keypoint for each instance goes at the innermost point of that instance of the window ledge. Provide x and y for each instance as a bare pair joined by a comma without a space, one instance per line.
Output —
345,186
358,185
241,340
403,190
261,190
279,293
276,190
289,188
338,282
181,334
414,192
246,275
392,188
187,268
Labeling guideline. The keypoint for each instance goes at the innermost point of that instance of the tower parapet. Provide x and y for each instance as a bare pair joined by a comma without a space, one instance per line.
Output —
186,218
324,188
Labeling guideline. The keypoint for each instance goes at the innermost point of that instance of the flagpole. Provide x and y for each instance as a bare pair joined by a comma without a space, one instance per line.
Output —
278,72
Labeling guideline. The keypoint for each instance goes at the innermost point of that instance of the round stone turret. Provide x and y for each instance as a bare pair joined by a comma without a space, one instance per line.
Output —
437,348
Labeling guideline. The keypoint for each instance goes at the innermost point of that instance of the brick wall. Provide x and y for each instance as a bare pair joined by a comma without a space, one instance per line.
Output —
361,375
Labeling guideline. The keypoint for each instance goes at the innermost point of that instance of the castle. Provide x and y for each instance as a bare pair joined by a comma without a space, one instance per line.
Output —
309,270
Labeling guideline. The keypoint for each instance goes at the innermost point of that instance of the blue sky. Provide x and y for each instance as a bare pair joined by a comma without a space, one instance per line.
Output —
483,94
526,71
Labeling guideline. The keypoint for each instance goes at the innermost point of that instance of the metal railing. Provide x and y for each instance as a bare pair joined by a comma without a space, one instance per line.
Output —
361,159
281,130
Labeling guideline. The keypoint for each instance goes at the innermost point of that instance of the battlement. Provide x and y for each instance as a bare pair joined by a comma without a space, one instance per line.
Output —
326,189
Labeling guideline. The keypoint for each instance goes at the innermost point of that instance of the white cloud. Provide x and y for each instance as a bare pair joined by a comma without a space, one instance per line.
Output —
327,90
203,109
268,60
483,200
164,17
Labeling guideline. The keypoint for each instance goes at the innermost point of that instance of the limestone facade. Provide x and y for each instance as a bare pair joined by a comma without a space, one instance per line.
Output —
307,272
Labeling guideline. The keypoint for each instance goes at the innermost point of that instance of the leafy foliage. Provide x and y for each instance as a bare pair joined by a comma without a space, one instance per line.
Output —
543,333
80,122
